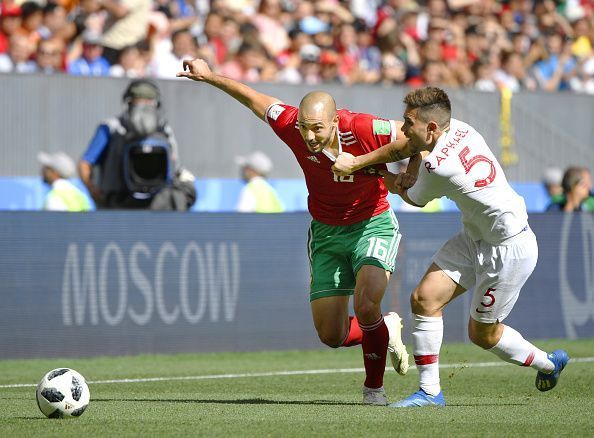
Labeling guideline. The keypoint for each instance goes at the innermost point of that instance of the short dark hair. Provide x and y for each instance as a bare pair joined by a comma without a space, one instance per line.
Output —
571,178
29,8
432,103
179,32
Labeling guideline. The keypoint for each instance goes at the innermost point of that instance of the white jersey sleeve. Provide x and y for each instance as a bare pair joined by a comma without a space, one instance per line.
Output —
425,190
462,167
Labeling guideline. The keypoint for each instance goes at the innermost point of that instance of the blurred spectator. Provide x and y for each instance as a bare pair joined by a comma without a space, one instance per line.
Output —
329,67
577,185
17,59
268,22
512,74
91,63
10,22
136,154
126,25
63,195
477,44
32,19
483,73
582,38
556,66
88,16
257,196
349,53
436,74
393,70
370,57
309,67
250,65
552,178
222,35
50,56
516,44
167,61
583,81
55,23
131,64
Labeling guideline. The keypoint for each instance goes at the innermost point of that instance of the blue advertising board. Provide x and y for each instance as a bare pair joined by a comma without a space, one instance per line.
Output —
149,282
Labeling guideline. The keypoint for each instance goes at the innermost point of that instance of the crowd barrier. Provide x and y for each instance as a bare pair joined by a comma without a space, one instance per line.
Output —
218,195
113,283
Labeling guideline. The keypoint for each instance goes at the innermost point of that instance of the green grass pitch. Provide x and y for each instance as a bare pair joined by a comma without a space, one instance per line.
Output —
489,400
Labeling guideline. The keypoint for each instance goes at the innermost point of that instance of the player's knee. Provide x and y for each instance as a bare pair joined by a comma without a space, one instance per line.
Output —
331,338
421,304
367,310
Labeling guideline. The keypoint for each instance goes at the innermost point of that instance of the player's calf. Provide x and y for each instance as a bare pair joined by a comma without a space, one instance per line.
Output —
484,335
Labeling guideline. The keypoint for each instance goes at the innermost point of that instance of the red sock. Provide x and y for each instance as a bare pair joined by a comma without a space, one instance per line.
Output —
355,336
375,351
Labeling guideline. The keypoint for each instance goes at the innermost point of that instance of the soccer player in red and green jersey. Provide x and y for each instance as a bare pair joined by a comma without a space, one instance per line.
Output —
353,238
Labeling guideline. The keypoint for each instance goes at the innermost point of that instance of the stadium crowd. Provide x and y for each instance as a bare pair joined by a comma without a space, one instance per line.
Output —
486,44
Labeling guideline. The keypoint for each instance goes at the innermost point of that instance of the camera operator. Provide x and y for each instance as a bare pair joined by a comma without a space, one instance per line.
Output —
137,157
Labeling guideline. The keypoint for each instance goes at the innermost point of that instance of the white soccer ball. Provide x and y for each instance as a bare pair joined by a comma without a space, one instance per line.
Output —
63,393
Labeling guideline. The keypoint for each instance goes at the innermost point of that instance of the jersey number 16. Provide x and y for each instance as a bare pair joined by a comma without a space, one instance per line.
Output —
346,178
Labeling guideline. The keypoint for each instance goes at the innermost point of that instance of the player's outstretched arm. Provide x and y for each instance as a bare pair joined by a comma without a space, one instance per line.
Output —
397,150
198,70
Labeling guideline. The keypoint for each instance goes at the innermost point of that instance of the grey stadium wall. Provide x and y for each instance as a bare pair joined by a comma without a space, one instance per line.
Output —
60,112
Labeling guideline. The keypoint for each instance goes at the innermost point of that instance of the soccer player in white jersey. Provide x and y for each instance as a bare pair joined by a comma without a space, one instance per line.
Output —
495,252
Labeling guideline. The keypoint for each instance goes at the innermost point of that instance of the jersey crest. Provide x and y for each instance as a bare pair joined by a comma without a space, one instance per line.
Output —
381,127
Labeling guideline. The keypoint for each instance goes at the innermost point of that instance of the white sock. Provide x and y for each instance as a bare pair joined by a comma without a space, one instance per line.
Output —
513,348
427,335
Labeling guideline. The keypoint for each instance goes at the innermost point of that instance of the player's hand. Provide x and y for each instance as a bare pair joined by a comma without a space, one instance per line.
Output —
406,180
195,69
345,164
397,182
390,181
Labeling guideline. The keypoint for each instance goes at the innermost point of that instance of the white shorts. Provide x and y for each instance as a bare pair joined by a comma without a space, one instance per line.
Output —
497,272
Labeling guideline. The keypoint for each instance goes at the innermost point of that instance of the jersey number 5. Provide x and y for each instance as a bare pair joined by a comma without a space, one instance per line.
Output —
468,163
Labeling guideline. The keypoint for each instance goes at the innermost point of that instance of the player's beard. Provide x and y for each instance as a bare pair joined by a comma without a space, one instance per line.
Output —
325,144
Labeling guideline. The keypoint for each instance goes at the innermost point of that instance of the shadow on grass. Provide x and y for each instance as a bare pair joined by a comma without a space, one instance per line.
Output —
473,405
260,401
247,401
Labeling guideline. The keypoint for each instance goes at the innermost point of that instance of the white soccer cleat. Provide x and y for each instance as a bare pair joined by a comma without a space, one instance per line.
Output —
397,350
374,396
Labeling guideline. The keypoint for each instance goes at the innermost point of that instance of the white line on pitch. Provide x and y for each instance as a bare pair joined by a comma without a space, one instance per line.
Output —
283,373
